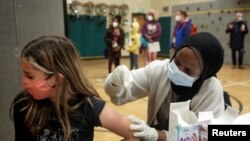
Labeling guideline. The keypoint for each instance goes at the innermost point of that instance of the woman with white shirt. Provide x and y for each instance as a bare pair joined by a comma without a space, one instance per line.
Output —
188,75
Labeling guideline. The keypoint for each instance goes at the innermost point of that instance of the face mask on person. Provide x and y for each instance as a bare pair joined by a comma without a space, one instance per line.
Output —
177,18
178,77
150,18
38,89
115,24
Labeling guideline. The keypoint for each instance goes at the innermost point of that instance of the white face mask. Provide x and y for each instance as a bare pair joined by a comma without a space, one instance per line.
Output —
150,18
177,18
115,24
178,77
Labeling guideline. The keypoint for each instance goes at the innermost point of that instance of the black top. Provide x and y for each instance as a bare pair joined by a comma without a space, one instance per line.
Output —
82,120
110,37
236,36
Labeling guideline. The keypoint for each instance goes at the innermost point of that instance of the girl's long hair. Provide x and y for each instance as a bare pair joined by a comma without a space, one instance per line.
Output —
59,56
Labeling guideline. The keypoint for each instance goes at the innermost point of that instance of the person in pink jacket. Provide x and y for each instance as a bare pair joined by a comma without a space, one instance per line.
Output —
151,32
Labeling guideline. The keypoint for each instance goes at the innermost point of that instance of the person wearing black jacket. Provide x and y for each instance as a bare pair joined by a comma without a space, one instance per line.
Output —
115,39
237,29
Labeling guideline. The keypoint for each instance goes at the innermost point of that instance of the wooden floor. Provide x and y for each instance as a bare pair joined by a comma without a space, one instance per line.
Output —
235,81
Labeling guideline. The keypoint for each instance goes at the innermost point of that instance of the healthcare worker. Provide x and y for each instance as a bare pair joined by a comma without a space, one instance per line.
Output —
188,75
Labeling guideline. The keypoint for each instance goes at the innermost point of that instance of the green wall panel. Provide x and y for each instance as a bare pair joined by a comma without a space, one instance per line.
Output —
165,39
87,33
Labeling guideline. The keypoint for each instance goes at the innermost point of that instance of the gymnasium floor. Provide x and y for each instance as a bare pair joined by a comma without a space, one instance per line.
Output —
235,81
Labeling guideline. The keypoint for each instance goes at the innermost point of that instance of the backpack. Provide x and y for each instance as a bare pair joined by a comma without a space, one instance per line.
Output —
194,29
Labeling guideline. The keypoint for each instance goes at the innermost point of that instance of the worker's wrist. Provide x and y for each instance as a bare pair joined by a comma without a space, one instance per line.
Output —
162,135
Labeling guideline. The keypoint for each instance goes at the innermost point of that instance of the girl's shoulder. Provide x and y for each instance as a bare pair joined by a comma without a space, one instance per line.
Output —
91,109
21,100
94,101
20,95
85,100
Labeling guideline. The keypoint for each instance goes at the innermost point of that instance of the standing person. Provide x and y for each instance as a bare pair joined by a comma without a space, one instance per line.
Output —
181,31
114,39
144,50
58,102
237,29
134,45
189,75
151,31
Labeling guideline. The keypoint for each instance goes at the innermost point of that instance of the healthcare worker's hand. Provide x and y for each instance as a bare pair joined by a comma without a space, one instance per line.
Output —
121,76
142,130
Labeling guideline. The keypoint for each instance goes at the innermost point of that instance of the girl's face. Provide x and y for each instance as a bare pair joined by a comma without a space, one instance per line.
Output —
189,62
38,84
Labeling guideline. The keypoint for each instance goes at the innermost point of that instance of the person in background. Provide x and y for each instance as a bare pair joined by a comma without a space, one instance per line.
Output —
134,44
181,30
144,50
237,29
188,75
57,101
151,32
115,40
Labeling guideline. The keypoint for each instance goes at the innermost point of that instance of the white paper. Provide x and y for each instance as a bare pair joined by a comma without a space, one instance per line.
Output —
228,117
243,119
205,117
183,123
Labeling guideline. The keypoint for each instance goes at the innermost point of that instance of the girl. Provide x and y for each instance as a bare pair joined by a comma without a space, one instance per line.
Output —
58,102
151,31
134,44
115,40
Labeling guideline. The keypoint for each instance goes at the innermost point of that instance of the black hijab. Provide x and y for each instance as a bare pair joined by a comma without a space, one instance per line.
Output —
212,54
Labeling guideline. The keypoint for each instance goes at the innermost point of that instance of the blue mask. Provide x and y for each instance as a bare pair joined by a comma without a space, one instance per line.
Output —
178,77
